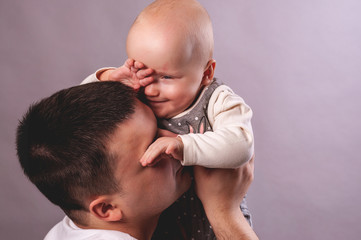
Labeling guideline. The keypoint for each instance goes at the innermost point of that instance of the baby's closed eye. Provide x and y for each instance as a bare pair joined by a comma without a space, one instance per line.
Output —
167,77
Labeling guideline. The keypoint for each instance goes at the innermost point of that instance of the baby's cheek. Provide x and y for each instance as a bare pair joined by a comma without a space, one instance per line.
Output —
174,92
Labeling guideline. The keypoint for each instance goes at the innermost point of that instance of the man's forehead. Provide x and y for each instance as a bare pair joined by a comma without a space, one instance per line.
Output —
134,132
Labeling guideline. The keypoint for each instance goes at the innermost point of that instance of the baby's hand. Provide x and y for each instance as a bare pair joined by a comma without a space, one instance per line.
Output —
133,74
172,146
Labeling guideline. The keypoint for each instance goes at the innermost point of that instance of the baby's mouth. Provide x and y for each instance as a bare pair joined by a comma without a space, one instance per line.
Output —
156,102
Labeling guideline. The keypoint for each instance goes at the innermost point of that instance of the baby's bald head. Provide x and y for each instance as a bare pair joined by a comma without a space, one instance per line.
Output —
183,24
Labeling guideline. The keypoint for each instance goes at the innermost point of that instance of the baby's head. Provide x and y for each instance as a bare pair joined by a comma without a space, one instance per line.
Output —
175,38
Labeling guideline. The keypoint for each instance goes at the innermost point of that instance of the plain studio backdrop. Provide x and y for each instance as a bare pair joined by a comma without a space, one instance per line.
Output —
297,63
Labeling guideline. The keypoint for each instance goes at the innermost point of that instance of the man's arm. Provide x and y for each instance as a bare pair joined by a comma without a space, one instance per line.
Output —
221,192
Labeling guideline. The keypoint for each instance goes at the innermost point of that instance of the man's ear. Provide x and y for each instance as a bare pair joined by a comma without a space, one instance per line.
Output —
104,208
208,72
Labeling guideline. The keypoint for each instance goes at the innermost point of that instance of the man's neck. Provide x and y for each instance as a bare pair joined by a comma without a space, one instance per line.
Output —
141,229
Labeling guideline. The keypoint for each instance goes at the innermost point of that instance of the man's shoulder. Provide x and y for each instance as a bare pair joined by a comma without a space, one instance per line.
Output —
66,229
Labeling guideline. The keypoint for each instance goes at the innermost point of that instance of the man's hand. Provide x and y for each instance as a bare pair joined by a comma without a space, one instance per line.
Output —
221,192
172,146
132,73
225,187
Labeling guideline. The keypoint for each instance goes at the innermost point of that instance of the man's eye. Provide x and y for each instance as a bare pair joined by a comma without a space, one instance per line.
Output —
167,77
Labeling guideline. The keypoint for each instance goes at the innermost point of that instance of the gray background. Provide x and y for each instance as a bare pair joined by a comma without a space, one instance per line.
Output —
297,63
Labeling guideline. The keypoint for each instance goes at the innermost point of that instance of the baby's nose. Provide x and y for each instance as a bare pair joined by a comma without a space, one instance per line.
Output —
151,90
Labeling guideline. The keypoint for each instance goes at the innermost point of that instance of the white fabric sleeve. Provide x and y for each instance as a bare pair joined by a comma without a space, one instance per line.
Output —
94,76
231,143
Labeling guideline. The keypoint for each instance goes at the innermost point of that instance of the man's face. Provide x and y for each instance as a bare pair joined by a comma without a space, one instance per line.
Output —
145,191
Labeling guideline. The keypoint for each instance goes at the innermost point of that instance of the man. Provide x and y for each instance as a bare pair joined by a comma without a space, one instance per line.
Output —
81,148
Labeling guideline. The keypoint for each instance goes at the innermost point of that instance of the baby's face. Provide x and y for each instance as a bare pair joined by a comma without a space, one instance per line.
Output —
178,70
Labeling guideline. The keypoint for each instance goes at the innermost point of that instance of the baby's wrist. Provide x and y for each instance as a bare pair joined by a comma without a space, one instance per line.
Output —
104,75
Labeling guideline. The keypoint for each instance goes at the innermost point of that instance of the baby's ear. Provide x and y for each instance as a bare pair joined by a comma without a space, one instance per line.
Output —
208,72
105,208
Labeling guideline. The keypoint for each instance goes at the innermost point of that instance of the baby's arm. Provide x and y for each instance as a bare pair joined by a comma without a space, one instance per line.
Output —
230,145
132,73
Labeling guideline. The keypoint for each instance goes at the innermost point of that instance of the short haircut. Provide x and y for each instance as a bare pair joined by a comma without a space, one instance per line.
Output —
61,142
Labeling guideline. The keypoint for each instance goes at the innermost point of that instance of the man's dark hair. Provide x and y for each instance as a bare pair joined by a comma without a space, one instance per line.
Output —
61,142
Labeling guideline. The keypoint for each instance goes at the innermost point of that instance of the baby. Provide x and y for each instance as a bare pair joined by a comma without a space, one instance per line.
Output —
170,50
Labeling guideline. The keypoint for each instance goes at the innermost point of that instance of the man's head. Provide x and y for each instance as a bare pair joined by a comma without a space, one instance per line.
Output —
175,38
80,148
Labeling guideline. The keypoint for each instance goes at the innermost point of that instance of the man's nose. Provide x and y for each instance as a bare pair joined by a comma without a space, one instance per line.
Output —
152,90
